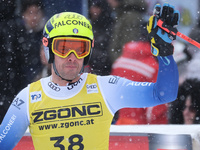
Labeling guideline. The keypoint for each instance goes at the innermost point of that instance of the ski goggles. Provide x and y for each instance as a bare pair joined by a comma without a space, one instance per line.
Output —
63,46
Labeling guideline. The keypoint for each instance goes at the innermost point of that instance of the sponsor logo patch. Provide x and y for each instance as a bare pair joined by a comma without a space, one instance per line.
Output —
17,102
69,112
36,96
72,85
113,80
53,87
92,88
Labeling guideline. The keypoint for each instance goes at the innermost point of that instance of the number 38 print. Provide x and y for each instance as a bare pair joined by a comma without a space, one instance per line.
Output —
75,142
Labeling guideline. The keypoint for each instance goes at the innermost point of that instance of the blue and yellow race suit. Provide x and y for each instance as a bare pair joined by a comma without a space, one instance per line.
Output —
79,115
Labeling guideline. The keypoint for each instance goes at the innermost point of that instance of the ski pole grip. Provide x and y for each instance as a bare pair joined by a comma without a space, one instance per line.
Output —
160,24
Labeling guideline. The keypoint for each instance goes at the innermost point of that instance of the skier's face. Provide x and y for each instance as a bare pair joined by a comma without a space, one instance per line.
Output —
69,67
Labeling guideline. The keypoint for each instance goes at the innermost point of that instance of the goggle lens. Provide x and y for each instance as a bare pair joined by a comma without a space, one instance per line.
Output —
63,46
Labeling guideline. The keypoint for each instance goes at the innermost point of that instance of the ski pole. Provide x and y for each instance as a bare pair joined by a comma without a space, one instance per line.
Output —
195,43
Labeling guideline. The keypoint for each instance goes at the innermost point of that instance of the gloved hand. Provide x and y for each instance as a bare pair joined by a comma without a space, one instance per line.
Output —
161,41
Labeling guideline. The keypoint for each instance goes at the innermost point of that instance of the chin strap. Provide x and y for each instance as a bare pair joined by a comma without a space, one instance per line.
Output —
56,72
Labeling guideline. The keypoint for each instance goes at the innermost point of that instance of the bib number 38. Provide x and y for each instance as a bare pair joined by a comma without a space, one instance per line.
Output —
75,142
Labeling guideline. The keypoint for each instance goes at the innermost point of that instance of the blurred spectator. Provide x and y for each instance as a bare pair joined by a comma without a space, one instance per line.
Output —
190,26
188,62
9,70
128,18
193,63
29,35
102,23
138,64
191,110
20,47
186,109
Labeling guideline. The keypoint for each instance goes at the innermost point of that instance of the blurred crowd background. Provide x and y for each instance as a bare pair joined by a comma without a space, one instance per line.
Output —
121,48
